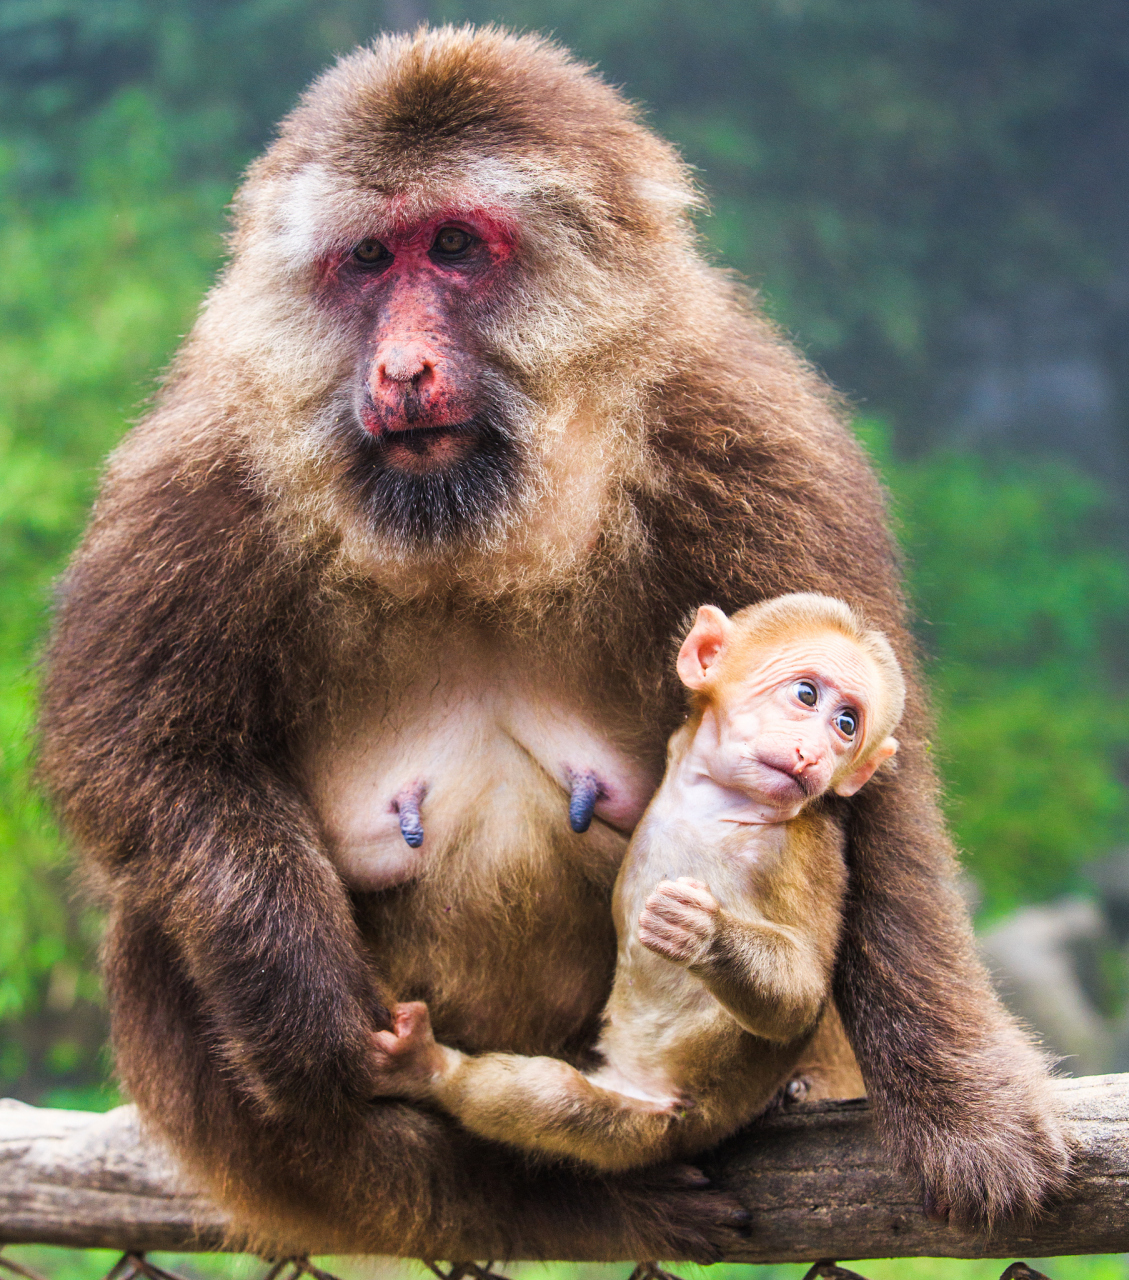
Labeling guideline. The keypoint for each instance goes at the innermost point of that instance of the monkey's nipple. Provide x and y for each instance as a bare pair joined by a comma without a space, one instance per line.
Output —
407,804
586,791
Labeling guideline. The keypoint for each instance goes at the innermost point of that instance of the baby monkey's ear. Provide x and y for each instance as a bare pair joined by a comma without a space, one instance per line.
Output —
702,647
862,773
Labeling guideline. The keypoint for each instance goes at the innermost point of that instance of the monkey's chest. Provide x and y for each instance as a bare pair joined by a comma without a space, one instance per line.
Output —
472,762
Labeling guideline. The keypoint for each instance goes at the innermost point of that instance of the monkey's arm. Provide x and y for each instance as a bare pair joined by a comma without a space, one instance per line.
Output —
165,708
769,977
959,1089
773,977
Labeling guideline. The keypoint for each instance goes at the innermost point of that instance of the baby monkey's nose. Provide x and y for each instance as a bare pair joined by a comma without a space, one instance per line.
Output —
807,755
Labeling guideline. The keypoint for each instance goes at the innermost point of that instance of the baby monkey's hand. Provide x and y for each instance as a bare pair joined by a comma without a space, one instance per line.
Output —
679,920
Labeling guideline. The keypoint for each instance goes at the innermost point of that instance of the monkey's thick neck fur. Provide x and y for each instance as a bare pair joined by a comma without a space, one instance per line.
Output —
254,638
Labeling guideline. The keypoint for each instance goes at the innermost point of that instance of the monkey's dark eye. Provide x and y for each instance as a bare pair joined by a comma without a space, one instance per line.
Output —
806,692
452,242
371,253
847,722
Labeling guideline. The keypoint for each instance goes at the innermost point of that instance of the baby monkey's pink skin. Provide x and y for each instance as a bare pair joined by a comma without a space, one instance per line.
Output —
728,905
774,735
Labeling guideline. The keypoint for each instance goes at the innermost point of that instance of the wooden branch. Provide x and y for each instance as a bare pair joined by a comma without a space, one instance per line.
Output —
814,1179
93,1181
818,1186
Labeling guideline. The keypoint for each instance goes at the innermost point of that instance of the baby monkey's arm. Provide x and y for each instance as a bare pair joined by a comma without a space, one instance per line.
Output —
773,978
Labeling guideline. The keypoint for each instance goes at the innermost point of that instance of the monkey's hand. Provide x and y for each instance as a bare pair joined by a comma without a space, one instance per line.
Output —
679,920
407,1062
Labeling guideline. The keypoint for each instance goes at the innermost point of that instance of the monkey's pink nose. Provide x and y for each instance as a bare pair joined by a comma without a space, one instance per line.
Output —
400,365
412,383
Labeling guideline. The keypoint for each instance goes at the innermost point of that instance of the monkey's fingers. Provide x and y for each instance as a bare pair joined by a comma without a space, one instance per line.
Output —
411,1031
669,942
936,1208
412,1020
691,883
669,951
690,917
390,1049
701,1220
673,933
690,893
976,1179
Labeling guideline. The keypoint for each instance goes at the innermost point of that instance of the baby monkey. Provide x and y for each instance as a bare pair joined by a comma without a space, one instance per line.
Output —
728,905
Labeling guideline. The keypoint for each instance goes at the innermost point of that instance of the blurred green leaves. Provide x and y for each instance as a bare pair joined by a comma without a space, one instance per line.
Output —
1023,603
218,73
95,288
879,167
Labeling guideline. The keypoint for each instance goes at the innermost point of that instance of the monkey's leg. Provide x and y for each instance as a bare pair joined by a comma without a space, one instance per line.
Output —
387,1178
959,1090
545,1106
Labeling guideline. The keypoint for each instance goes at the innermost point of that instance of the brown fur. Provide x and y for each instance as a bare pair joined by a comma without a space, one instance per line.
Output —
230,609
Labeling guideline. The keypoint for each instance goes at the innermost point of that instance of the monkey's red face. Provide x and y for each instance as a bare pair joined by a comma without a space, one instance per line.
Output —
431,421
420,287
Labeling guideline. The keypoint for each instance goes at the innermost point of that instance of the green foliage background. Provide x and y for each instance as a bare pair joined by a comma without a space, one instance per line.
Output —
876,165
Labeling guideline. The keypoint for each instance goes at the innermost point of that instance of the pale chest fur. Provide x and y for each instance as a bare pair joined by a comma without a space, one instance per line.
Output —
484,741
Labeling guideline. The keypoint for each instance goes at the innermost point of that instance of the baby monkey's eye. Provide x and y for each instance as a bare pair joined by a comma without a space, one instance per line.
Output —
806,692
847,723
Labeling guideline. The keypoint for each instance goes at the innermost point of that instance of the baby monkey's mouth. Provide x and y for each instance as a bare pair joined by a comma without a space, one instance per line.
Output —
782,782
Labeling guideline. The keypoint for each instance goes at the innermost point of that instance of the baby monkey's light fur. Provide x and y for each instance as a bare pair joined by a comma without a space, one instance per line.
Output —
703,1027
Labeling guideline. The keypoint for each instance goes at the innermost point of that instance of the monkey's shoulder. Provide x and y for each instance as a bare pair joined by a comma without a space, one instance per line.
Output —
806,878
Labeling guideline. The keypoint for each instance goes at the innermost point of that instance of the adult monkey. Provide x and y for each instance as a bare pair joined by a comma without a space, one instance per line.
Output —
374,617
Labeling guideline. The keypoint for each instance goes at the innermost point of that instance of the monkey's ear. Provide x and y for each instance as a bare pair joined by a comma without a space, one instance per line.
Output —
864,772
702,647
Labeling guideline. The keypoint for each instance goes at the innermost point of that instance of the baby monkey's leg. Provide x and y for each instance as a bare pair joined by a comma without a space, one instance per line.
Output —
539,1104
408,1061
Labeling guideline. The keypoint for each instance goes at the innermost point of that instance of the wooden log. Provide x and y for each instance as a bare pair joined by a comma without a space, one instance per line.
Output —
818,1186
814,1178
94,1181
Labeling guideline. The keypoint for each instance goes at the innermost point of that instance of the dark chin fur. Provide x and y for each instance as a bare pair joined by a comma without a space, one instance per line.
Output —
455,503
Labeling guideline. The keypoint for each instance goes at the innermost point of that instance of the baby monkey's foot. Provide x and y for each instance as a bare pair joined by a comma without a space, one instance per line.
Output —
407,1061
679,920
